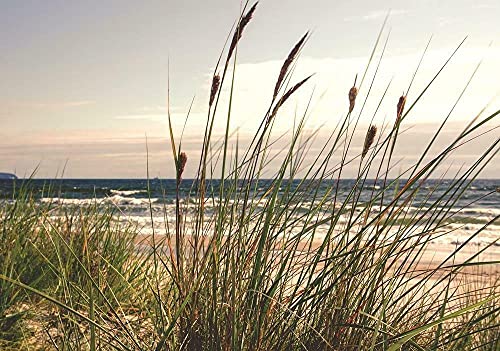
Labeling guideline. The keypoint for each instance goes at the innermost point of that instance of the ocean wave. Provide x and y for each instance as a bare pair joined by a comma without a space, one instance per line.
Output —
127,192
115,199
66,201
122,200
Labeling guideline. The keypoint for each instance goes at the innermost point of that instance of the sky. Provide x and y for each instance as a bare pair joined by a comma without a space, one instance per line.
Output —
84,83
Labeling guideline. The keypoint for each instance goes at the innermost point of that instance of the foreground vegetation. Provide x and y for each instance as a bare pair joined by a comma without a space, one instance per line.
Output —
247,268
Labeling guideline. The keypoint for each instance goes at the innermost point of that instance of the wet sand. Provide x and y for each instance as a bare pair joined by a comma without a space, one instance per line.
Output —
436,256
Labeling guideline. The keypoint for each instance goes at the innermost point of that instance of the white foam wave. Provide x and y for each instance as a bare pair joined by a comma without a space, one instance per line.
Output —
115,199
65,201
126,192
122,200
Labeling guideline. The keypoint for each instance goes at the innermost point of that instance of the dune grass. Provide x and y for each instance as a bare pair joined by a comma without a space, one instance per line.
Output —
243,266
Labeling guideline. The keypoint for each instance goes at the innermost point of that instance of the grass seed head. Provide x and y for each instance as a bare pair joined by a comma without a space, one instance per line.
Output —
286,65
353,92
182,164
239,30
286,96
369,138
401,107
215,88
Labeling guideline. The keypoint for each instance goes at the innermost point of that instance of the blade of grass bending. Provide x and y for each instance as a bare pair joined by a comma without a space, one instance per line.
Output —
172,141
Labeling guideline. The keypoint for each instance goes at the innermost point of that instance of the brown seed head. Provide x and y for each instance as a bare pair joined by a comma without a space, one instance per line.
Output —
353,92
286,96
182,163
286,65
401,107
239,30
215,88
369,138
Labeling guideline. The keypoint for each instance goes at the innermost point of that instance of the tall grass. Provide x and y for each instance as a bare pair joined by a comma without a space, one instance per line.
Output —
258,264
66,252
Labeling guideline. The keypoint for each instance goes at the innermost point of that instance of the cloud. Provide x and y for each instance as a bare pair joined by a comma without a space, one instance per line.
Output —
375,15
178,118
255,81
484,6
146,116
334,77
70,103
156,108
445,21
51,105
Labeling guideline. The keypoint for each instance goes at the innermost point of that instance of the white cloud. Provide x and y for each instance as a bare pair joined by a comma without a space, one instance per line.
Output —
445,21
484,6
178,118
49,104
334,77
150,109
375,15
146,116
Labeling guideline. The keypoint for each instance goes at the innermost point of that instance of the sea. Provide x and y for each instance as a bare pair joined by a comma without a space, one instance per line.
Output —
148,204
